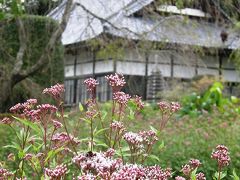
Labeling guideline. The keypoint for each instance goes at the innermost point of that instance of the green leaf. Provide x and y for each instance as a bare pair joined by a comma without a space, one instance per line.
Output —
193,174
155,130
222,175
161,146
234,176
151,156
21,154
81,109
86,120
100,143
104,115
131,115
33,126
52,153
99,131
234,99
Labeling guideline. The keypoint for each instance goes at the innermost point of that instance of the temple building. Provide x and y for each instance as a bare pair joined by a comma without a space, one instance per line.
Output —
150,44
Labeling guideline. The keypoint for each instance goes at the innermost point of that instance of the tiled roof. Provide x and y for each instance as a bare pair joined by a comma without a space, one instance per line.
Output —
113,17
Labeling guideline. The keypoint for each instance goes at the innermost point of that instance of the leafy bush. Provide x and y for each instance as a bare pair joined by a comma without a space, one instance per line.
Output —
195,104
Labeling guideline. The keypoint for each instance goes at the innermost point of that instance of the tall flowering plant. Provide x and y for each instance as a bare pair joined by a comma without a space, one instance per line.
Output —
46,148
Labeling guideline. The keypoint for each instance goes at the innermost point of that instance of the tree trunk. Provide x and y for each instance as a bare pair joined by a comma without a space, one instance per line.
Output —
5,91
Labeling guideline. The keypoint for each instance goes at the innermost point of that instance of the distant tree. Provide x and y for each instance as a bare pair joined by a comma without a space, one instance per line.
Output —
20,58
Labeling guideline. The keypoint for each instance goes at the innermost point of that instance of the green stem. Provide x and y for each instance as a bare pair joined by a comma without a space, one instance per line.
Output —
91,124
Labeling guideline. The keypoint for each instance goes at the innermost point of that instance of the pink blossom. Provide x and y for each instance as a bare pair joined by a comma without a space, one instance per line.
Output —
110,152
91,84
164,106
194,163
117,126
117,81
61,139
149,137
57,124
133,139
174,106
11,157
139,103
221,155
6,120
91,112
57,173
55,91
4,173
121,98
133,171
87,177
45,108
28,156
99,164
29,104
17,108
186,169
34,114
200,176
179,178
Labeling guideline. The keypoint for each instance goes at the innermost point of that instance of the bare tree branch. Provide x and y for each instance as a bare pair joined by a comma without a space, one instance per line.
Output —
50,46
23,46
105,20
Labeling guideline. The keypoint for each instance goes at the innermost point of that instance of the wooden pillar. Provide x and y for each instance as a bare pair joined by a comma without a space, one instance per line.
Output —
196,67
219,55
75,78
114,65
146,76
172,65
94,63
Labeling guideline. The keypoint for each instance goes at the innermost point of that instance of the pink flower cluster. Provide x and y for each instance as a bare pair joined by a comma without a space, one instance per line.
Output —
45,108
221,155
99,164
133,171
110,152
192,165
139,102
4,173
117,126
42,110
91,84
28,156
195,163
87,177
6,120
26,106
180,178
57,124
149,137
91,112
57,173
27,110
55,91
200,176
117,81
61,139
174,106
166,107
121,98
133,139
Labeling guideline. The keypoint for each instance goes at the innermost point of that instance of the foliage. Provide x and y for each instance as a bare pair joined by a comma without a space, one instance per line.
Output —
195,104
